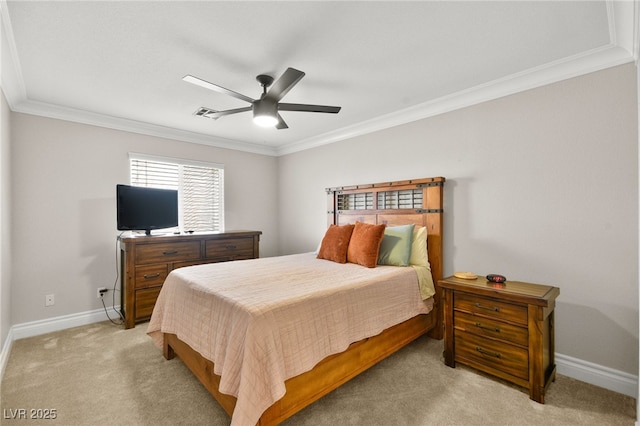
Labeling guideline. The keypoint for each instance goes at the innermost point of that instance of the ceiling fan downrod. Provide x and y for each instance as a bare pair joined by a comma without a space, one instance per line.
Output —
265,81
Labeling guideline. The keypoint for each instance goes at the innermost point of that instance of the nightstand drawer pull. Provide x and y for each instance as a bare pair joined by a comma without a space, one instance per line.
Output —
482,351
169,253
230,247
151,276
484,327
495,308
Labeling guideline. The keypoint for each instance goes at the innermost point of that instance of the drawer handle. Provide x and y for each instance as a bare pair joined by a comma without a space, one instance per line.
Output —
230,247
484,352
150,276
169,253
484,327
495,308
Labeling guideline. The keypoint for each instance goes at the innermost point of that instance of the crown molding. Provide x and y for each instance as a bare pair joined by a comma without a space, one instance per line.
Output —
595,60
132,126
623,19
10,72
636,31
15,92
585,63
623,48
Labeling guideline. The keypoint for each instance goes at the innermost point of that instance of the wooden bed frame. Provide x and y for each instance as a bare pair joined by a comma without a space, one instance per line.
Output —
393,203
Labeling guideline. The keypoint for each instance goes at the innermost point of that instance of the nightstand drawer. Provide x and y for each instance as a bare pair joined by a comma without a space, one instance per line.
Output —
490,307
491,328
500,356
169,252
151,275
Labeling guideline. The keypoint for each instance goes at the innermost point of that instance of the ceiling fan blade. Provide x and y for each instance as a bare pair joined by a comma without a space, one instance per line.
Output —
281,124
202,83
285,83
218,114
309,108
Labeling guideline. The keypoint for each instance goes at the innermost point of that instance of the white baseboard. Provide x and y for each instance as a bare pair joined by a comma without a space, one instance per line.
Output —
598,375
6,350
585,371
36,328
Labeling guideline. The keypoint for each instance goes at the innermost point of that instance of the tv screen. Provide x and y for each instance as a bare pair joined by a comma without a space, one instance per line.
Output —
144,209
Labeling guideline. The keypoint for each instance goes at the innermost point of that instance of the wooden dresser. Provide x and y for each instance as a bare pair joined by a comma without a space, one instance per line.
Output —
506,330
146,261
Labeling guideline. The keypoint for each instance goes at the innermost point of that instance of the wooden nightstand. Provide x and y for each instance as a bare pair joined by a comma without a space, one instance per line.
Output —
506,330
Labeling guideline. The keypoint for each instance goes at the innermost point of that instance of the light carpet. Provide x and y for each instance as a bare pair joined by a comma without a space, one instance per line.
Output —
102,374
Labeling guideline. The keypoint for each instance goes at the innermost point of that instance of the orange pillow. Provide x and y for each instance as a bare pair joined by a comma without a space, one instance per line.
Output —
365,244
335,243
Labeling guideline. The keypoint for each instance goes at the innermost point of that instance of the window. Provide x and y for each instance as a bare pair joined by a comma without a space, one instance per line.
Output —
200,188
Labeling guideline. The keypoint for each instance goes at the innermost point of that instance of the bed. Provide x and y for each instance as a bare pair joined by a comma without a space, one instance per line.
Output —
267,337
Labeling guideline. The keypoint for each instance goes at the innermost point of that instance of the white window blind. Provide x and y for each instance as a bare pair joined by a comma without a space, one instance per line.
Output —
200,188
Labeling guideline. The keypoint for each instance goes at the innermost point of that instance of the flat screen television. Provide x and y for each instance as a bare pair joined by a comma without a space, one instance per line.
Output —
144,209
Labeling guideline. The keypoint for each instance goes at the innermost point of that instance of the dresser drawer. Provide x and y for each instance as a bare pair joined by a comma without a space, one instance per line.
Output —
232,248
507,358
151,275
178,265
145,301
169,252
491,328
490,307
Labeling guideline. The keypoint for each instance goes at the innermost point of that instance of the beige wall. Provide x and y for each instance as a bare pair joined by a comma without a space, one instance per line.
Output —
542,186
63,179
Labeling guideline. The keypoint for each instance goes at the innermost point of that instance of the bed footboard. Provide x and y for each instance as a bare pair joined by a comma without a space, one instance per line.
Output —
308,387
201,368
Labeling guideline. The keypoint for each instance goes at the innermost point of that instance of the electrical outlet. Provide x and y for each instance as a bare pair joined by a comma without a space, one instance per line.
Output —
102,291
49,300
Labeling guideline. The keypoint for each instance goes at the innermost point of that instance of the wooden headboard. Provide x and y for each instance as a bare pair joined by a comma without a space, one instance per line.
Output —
418,201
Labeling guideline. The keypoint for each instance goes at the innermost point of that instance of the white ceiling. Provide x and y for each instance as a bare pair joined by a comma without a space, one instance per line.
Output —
120,64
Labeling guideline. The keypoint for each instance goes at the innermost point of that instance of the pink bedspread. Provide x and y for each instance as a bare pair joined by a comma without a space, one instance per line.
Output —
263,321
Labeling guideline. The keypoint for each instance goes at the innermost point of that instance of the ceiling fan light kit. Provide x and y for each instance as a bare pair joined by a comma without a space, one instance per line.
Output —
265,110
265,113
265,120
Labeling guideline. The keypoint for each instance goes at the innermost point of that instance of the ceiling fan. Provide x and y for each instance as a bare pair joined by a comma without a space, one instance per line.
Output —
266,109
